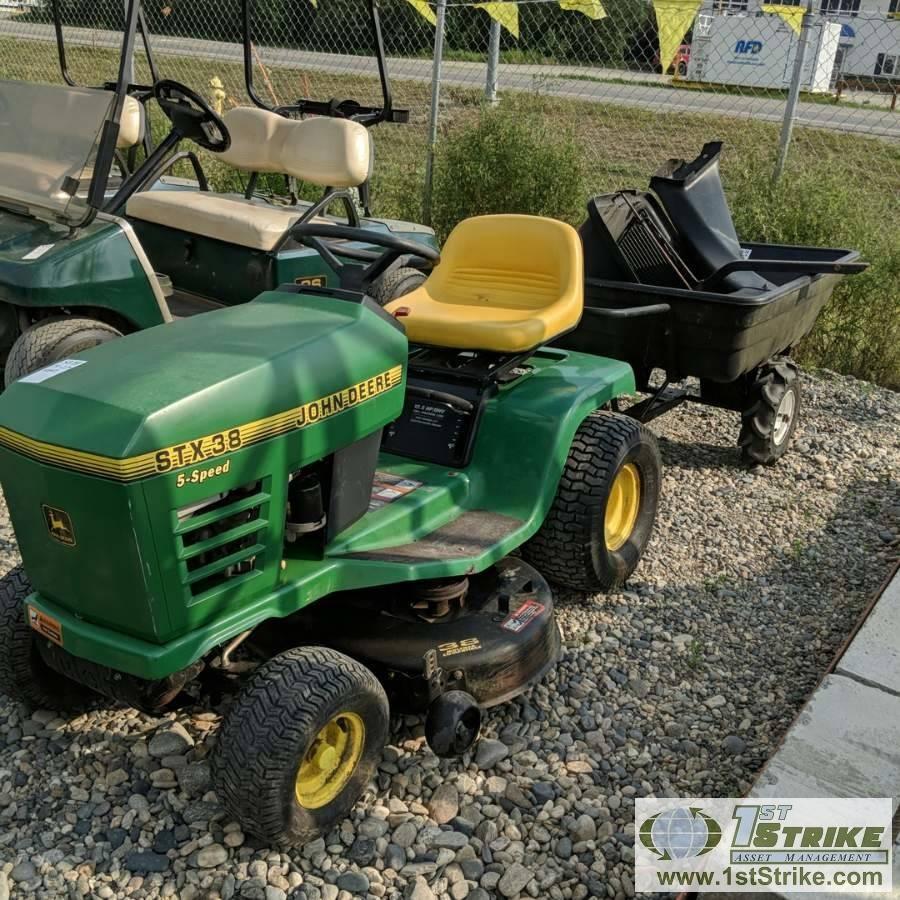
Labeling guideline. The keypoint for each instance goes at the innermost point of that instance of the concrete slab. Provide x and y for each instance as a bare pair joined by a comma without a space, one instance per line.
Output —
874,655
846,743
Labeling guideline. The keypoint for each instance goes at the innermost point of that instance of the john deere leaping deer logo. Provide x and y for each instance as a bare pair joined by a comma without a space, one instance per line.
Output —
59,524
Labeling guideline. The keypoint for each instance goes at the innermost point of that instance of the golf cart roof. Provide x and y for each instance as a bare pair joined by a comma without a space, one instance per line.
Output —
343,109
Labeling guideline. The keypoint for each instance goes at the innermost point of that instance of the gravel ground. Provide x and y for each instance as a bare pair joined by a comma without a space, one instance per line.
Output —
683,685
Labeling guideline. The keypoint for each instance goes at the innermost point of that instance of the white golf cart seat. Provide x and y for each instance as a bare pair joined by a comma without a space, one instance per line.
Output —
329,152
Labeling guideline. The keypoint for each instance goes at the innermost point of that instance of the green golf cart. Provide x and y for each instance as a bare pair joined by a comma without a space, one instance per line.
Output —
91,250
310,500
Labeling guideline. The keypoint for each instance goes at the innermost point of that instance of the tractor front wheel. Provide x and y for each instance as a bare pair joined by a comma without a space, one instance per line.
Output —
605,506
51,340
299,744
24,675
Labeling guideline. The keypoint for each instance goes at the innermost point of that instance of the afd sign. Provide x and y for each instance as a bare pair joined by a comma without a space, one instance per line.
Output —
748,47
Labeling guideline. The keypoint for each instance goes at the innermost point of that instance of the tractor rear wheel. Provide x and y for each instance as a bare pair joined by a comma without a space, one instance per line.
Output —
397,283
605,506
769,421
299,744
50,340
24,675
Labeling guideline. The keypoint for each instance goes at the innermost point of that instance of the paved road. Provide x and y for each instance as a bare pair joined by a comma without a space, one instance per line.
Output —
558,81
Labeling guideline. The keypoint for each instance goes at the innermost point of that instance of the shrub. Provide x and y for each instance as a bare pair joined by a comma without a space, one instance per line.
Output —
507,163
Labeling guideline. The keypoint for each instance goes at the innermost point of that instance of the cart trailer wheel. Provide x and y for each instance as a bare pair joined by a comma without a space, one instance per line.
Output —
397,283
24,675
605,506
53,339
299,744
769,422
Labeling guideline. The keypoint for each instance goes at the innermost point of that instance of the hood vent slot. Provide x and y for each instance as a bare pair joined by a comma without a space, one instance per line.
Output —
221,543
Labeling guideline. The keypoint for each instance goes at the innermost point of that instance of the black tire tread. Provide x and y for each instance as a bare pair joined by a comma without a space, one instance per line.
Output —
397,283
558,549
33,349
758,419
270,718
23,675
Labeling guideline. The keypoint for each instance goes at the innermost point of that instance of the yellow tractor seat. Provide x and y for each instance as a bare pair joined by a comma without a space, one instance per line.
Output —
505,283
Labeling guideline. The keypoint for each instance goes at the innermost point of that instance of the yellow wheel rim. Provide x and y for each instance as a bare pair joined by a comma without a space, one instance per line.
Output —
330,761
622,506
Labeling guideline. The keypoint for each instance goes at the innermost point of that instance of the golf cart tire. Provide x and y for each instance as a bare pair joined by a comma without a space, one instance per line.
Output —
397,283
270,728
50,340
760,440
24,676
570,547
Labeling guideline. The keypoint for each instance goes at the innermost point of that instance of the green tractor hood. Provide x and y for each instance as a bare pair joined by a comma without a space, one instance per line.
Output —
174,384
144,474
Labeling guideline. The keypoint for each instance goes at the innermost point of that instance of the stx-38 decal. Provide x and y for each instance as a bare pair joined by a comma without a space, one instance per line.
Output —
210,446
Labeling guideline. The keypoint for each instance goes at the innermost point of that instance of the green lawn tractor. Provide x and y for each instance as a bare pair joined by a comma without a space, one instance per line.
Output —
91,249
311,500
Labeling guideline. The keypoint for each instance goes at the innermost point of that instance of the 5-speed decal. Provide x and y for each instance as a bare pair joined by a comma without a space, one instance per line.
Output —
203,449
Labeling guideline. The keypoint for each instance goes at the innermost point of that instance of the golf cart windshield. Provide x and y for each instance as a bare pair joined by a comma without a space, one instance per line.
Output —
51,134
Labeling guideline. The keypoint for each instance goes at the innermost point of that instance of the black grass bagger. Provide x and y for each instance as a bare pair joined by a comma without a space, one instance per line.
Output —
669,286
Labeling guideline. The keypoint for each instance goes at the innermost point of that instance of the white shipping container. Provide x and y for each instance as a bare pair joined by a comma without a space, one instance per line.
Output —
759,51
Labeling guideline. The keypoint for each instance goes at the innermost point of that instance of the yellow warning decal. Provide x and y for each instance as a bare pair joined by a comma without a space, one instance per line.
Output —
210,446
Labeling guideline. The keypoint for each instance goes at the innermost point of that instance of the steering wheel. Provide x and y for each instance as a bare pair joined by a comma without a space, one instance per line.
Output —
191,116
321,236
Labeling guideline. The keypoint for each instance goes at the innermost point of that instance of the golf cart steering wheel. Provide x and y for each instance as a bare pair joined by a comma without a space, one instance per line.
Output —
191,116
322,237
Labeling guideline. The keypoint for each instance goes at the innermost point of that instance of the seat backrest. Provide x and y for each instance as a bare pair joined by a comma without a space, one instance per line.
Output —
131,124
516,261
328,152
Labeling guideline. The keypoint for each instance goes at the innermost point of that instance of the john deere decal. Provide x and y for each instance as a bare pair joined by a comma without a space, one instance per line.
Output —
203,449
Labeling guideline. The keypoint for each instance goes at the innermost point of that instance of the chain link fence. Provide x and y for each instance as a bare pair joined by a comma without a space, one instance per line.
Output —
753,75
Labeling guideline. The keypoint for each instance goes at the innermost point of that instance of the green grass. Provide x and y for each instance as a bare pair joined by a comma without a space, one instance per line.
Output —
838,189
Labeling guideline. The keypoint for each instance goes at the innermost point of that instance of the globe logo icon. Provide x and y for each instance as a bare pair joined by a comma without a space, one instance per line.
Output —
681,833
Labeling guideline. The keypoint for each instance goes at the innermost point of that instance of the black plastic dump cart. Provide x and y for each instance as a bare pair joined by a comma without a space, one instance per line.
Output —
669,286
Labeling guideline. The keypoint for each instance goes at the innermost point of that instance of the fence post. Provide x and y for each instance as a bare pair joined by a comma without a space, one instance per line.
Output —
790,109
441,14
493,63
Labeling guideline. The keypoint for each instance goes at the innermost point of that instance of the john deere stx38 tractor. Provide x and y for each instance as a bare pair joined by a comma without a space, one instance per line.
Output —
312,500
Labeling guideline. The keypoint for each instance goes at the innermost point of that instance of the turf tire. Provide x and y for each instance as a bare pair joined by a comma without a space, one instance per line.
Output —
24,676
570,547
397,283
758,421
51,340
271,725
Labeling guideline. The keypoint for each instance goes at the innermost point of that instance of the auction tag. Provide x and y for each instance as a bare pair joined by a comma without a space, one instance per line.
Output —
38,252
523,616
45,625
52,370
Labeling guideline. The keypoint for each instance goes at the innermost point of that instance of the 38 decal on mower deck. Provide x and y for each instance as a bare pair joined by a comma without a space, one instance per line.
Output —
210,446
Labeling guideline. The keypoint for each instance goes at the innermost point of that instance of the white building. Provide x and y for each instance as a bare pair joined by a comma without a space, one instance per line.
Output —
869,40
